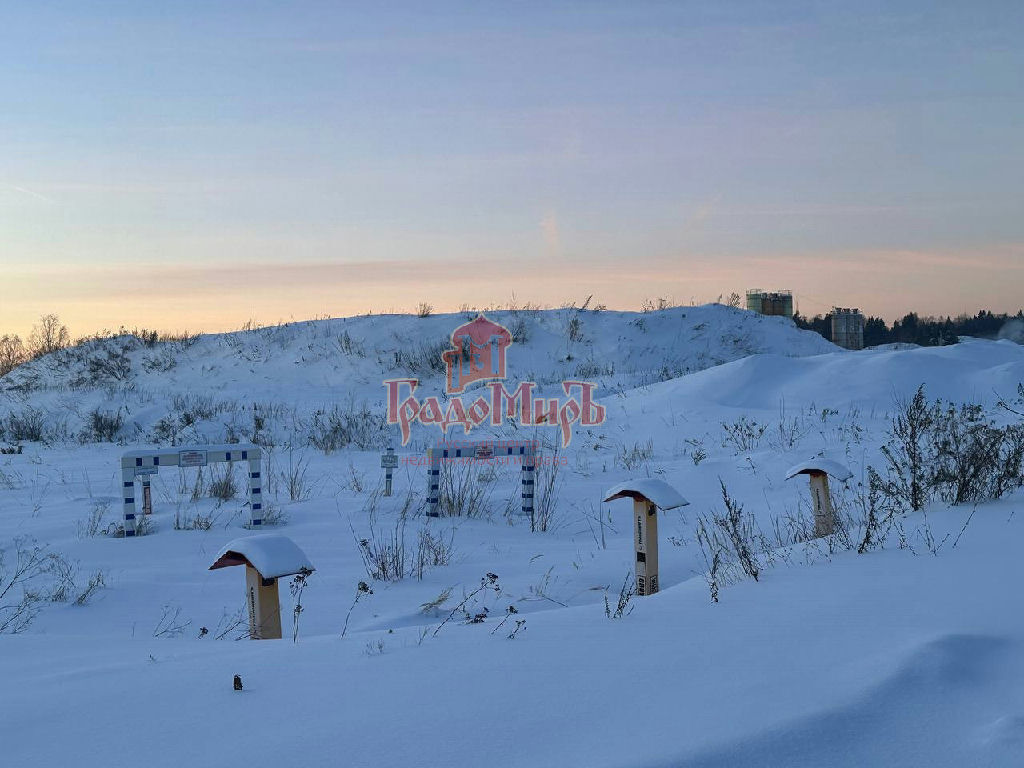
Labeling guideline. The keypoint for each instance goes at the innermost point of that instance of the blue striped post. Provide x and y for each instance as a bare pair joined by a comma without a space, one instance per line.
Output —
128,495
434,482
255,488
529,473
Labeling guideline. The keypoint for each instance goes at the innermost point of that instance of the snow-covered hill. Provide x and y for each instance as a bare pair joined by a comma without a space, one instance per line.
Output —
911,653
205,389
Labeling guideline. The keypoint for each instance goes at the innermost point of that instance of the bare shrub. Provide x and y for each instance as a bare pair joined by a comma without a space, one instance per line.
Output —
171,623
61,573
222,482
743,434
356,479
697,452
293,477
742,533
423,309
339,427
388,555
873,535
789,431
384,552
101,426
430,607
957,453
510,612
603,520
273,515
191,520
362,590
28,425
547,487
974,460
465,488
107,365
731,543
432,550
630,458
161,361
234,625
96,582
424,358
574,328
296,587
350,346
49,335
186,412
30,576
624,603
488,583
792,528
198,487
93,525
656,304
906,452
520,330
12,353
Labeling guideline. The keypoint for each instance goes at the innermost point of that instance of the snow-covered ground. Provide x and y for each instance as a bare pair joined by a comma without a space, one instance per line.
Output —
893,657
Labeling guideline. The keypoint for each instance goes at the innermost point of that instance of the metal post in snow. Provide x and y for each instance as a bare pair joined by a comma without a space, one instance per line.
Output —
388,460
434,456
255,487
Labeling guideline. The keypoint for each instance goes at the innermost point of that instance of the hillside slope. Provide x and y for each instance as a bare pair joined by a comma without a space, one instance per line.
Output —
205,390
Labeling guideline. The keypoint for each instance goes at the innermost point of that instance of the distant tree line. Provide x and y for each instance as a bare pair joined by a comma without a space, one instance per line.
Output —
913,329
49,335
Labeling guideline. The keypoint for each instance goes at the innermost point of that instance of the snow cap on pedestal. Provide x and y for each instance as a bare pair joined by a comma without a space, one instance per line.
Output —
658,492
271,554
828,466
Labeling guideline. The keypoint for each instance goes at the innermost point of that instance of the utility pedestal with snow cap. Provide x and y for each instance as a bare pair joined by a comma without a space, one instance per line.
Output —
266,558
648,495
819,470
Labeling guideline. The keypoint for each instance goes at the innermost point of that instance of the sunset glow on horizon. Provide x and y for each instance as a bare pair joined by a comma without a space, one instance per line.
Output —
196,167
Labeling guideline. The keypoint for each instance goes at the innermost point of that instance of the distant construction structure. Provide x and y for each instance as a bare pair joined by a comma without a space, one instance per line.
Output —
770,302
847,328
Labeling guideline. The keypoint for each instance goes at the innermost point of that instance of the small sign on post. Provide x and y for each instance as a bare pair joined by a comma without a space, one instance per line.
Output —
388,462
147,497
192,459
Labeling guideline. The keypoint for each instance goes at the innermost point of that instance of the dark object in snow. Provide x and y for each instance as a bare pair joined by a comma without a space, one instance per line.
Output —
238,682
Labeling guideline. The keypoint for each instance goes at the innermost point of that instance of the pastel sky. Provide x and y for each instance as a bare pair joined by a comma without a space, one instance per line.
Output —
197,164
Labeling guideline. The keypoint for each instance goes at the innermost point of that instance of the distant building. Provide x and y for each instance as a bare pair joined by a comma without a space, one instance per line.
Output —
770,302
847,328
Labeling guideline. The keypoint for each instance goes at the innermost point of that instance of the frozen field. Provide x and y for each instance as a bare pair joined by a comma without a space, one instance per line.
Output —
910,653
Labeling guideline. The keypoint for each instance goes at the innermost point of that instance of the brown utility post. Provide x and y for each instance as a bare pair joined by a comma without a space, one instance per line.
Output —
818,470
648,496
266,558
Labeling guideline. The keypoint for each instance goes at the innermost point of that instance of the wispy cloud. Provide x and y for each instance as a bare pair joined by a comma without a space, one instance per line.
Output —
30,193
